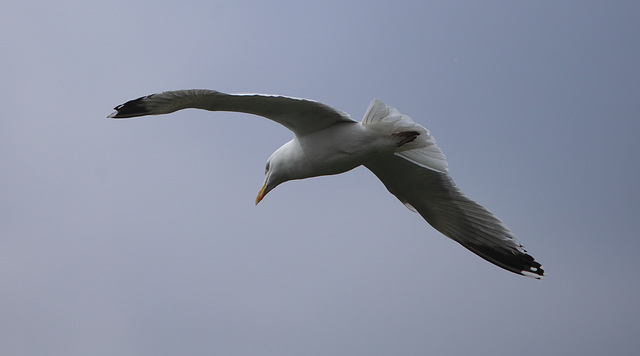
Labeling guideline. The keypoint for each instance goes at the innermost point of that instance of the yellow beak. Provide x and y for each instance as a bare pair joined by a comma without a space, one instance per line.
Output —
261,193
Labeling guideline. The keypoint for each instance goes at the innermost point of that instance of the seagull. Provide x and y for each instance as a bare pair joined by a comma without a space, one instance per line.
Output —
400,152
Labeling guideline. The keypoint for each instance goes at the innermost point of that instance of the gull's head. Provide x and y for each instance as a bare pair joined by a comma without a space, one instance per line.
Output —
269,181
277,170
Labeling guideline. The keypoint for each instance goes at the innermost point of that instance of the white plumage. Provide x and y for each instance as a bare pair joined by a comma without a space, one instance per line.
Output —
400,152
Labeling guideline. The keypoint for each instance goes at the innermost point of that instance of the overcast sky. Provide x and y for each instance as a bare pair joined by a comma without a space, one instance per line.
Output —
140,237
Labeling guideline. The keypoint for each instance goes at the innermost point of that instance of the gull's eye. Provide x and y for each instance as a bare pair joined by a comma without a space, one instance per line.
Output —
266,168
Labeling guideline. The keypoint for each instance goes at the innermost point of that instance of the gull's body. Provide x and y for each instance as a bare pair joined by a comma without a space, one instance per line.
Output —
401,153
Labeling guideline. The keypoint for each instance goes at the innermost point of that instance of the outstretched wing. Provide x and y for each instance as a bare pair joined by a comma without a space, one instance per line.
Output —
434,196
301,116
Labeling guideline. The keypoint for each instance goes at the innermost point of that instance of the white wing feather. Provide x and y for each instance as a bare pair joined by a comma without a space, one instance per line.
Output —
439,201
301,116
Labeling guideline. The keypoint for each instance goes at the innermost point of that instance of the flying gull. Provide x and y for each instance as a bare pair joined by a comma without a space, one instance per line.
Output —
401,153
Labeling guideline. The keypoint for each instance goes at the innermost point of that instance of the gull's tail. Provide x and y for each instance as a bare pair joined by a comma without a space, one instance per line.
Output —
420,150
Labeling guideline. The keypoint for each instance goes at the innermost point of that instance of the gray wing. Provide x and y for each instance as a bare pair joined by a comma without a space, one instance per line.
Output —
301,116
439,201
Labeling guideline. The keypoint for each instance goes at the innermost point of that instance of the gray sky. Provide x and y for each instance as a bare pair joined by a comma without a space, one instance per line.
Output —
140,237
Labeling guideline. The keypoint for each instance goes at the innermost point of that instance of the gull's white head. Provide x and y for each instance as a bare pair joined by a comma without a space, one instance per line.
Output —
280,167
270,181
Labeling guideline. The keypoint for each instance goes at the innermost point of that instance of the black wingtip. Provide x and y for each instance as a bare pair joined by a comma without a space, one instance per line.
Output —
133,108
515,261
534,270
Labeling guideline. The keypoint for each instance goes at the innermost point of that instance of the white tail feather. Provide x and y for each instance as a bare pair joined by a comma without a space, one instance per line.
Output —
423,151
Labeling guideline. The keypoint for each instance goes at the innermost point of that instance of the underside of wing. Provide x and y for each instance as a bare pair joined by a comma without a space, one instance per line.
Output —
301,116
437,199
